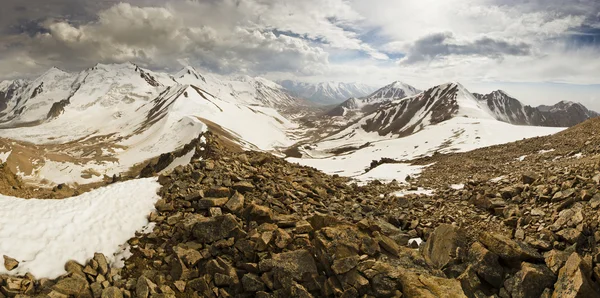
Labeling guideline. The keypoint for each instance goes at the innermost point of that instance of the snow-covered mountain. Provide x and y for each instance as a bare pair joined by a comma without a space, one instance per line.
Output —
107,118
395,90
509,109
327,93
442,119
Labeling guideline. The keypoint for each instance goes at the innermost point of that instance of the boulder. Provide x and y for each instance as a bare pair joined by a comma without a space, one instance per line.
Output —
258,213
509,250
215,228
296,264
73,286
444,246
425,286
485,264
529,177
530,281
574,280
235,204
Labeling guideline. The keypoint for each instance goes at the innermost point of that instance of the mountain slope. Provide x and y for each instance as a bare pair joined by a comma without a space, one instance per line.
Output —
326,93
395,90
108,118
511,110
442,119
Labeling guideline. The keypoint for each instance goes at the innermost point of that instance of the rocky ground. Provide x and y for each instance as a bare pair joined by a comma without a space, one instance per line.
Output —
252,225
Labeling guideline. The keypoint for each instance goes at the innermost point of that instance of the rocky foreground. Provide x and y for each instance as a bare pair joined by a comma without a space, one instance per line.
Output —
252,225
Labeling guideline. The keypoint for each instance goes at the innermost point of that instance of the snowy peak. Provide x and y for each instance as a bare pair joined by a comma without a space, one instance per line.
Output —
409,115
189,71
326,93
509,109
394,90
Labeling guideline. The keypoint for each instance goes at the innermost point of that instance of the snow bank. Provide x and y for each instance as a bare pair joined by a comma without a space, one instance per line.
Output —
44,234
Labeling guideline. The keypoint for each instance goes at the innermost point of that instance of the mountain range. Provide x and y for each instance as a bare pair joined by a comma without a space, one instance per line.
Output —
326,93
109,119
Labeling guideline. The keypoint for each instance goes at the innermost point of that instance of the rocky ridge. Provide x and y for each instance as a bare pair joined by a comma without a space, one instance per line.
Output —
253,225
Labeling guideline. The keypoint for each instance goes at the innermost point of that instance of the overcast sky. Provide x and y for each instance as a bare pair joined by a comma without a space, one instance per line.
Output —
540,51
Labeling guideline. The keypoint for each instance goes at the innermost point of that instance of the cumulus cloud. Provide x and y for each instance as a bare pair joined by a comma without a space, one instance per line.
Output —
225,36
443,44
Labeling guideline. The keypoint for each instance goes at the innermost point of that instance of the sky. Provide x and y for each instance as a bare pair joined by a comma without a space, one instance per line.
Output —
540,51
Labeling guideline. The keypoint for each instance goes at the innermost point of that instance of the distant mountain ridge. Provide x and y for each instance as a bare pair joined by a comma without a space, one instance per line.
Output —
327,93
395,90
509,109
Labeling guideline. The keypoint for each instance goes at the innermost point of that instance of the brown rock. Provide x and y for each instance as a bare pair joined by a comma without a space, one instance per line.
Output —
428,286
529,177
343,265
252,283
102,263
556,259
216,228
531,281
486,265
112,292
507,249
443,246
73,286
10,263
243,186
258,213
235,203
295,263
207,203
574,280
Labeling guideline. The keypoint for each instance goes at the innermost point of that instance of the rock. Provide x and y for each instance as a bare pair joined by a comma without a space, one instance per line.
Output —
570,235
387,243
556,259
562,195
444,245
235,203
207,203
530,281
595,201
215,228
529,177
243,186
258,213
472,285
10,263
73,286
294,263
102,263
509,250
112,292
486,265
428,286
343,265
218,192
303,227
574,280
74,268
144,287
252,283
190,257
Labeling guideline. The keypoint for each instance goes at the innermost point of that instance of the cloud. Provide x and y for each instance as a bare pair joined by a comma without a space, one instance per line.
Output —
158,37
443,44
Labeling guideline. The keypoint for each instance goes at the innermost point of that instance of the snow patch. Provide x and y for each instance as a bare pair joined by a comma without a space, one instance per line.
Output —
546,151
457,186
419,191
44,234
